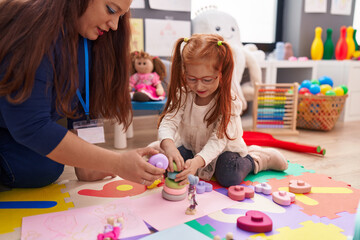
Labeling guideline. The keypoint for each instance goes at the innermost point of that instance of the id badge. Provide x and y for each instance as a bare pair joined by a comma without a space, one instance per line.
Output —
91,131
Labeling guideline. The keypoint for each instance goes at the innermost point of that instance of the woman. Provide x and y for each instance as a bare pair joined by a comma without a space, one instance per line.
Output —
45,49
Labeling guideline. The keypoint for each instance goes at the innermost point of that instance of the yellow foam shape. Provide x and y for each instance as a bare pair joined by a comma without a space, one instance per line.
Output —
124,187
11,218
310,230
260,204
330,190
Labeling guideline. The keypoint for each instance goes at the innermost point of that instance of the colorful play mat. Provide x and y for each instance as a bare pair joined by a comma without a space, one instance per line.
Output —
78,210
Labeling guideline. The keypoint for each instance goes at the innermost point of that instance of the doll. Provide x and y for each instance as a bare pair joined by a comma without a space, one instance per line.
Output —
146,72
193,180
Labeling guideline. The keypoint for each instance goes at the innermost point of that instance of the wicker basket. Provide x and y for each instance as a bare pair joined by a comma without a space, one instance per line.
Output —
319,112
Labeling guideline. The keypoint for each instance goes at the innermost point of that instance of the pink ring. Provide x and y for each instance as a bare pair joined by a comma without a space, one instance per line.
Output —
173,191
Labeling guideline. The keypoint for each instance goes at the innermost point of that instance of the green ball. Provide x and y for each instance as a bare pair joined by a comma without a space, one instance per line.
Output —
315,81
330,93
345,88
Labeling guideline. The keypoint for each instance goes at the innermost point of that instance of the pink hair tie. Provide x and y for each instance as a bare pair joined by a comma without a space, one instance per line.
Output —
155,57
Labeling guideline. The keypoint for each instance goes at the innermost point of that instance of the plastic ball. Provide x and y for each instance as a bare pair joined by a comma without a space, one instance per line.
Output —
330,93
324,88
345,88
315,81
326,80
305,84
338,91
304,90
319,94
314,89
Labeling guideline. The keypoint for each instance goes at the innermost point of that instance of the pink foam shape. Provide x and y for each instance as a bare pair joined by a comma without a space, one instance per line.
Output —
264,188
299,186
283,198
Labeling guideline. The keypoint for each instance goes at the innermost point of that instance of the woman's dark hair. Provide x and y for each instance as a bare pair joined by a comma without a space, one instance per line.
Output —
33,29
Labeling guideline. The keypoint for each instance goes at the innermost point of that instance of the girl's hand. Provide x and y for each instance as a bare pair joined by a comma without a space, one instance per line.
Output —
191,166
173,155
135,168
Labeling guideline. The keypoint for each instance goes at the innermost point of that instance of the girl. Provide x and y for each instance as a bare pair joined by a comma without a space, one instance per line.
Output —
201,122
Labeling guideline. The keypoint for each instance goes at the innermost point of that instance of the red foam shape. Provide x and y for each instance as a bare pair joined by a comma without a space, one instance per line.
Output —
265,139
109,190
255,221
329,203
299,186
239,193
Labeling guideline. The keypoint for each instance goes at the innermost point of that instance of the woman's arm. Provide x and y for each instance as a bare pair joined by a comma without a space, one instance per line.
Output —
93,162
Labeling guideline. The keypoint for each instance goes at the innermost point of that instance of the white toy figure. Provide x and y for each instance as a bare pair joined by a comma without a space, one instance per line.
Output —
218,22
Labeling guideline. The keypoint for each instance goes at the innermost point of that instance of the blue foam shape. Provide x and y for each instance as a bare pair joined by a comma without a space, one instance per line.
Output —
172,175
26,204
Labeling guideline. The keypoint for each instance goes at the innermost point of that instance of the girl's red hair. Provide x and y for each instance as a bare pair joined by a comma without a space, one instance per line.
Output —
203,47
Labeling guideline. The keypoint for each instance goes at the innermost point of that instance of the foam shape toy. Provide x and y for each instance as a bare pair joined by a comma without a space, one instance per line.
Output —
255,221
159,160
172,175
299,186
283,198
202,187
170,197
239,193
173,191
172,184
218,22
264,188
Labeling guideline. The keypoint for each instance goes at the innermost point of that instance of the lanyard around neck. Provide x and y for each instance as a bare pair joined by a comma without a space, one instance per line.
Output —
86,104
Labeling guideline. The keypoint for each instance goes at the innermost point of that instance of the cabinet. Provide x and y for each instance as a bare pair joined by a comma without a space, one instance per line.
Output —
345,72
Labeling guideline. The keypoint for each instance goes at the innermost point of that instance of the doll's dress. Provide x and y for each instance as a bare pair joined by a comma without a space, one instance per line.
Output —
146,83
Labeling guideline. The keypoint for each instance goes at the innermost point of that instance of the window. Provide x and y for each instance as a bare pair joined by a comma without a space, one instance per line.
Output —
258,20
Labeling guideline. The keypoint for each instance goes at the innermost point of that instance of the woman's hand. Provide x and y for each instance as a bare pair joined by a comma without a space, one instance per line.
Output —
191,166
173,154
135,168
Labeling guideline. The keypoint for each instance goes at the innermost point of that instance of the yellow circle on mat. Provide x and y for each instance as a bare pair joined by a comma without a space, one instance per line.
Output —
124,187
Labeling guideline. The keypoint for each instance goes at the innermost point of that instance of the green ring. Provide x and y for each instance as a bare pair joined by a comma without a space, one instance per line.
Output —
172,184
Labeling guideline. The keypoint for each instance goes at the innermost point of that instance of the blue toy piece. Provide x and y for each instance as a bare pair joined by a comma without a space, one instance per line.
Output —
159,160
305,84
202,187
314,89
326,80
172,175
193,180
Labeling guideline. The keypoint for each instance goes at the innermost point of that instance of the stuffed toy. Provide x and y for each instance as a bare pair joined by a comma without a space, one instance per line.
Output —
146,74
218,22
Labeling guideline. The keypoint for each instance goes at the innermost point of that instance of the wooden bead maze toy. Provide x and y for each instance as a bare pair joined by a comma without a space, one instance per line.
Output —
275,108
